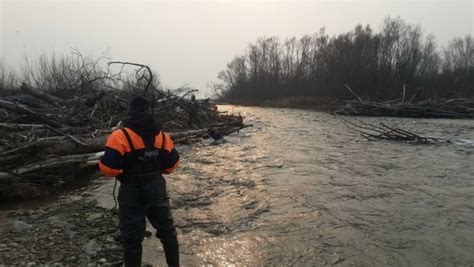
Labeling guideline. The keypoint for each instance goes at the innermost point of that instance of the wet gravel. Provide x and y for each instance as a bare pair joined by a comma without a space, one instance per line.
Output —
72,231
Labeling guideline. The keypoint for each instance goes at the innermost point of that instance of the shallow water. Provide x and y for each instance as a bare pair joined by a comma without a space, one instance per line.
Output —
300,189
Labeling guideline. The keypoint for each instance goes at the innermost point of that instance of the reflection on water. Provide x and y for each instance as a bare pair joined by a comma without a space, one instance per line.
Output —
299,189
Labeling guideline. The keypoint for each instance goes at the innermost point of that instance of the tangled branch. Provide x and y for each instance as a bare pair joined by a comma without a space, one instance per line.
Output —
384,132
148,79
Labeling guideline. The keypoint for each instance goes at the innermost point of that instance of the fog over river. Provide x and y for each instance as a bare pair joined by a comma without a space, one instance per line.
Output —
300,189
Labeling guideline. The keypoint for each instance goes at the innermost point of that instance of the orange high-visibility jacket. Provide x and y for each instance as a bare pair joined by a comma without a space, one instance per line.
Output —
117,149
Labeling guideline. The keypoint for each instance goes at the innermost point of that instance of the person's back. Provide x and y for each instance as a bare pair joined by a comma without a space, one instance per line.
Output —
137,155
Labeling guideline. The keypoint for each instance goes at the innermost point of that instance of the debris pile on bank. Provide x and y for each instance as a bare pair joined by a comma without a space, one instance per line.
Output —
461,108
414,107
53,138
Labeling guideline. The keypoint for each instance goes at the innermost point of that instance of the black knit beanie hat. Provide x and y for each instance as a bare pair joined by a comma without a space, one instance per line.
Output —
138,106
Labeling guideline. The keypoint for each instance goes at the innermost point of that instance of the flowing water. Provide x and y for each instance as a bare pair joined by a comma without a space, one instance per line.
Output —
300,189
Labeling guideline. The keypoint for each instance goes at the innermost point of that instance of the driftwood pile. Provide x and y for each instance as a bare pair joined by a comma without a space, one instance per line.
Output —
47,140
382,131
462,108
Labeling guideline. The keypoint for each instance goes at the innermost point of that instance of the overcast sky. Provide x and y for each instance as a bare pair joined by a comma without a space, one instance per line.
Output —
189,42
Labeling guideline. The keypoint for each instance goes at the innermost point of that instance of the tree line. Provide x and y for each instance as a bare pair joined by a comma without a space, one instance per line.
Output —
376,65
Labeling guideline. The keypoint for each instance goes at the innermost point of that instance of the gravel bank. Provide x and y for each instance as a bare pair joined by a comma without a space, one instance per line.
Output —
73,231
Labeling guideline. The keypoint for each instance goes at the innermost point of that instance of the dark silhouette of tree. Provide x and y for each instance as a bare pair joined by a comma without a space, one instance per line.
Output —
377,65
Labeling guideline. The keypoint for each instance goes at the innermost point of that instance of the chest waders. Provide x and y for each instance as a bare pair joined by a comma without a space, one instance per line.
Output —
142,195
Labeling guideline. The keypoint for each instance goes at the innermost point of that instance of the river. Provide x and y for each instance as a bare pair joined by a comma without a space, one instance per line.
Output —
298,188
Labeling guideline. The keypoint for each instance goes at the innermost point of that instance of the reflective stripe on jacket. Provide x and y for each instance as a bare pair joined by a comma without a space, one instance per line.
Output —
118,150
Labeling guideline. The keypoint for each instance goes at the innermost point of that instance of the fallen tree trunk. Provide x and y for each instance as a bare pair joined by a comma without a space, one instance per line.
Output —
50,163
22,110
64,145
86,154
50,99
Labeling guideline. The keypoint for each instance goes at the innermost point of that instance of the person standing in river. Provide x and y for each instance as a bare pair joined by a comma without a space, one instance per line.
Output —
138,155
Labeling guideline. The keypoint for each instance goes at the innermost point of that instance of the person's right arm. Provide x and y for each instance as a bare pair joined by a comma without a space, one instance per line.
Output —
111,164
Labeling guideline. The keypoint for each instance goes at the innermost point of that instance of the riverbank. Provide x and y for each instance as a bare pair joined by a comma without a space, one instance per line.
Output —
451,108
302,102
73,230
297,102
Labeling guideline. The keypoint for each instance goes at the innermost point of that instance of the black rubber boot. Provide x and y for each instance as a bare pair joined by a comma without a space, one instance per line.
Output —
171,248
132,257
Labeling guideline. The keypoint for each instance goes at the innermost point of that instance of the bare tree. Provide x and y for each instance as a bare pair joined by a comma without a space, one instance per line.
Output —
8,80
376,65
